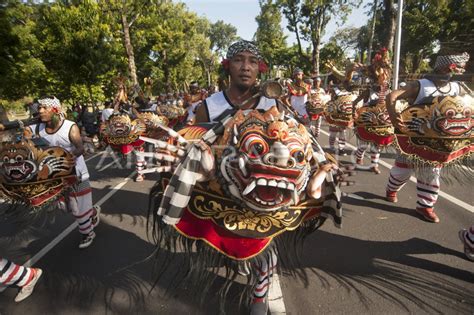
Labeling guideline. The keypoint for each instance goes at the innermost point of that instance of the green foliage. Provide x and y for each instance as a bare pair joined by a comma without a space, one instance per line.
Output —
269,35
221,35
22,70
333,52
308,20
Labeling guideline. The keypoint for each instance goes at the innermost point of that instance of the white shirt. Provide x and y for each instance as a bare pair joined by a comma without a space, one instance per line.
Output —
218,103
106,113
429,89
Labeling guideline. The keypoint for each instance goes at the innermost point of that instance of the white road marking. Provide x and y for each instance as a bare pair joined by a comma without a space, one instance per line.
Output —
276,305
107,166
446,196
72,227
93,156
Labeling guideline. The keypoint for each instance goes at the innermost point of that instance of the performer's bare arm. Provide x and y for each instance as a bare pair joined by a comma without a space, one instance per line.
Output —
409,93
75,137
28,133
201,114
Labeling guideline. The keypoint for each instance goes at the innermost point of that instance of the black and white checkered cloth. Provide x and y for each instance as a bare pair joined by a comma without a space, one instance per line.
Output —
458,60
178,192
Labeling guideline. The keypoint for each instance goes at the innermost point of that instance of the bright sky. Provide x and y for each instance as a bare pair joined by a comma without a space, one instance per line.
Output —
242,13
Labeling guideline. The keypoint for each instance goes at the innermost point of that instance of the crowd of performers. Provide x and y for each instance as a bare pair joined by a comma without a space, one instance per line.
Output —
243,177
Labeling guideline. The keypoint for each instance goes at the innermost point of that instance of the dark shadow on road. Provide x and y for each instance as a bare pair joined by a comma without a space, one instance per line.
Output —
377,202
390,270
113,276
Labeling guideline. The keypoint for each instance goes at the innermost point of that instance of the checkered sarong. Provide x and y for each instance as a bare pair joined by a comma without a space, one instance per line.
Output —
178,192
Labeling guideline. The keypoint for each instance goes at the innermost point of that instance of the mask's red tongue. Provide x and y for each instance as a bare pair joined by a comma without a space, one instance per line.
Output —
266,193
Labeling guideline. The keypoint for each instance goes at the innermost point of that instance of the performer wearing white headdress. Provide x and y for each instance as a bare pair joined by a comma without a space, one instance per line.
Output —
64,133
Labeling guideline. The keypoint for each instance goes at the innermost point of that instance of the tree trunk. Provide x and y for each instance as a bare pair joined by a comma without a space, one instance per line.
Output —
371,36
389,16
129,49
315,58
316,49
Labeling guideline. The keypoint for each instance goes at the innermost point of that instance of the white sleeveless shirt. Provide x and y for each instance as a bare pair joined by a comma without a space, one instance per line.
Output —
218,103
428,89
61,139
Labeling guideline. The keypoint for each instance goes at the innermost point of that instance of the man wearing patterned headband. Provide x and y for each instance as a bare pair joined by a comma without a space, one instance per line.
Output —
61,132
243,63
417,92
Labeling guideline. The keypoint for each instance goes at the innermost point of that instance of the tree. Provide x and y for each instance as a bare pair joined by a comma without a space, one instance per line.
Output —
334,53
389,15
221,36
22,71
422,24
346,38
269,36
79,50
126,12
308,20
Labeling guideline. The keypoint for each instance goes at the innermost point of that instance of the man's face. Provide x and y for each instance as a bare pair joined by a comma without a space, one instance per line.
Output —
45,113
299,76
317,83
194,89
243,69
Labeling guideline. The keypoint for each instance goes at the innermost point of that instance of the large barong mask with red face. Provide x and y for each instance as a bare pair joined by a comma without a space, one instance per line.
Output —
250,196
33,176
269,166
438,132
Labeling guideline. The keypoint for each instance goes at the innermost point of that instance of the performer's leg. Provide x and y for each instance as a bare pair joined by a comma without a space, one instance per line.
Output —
361,148
332,137
374,158
265,272
25,278
467,238
399,175
140,165
342,141
316,126
427,188
80,203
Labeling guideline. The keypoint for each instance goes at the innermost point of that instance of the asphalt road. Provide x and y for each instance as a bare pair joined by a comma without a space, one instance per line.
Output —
384,259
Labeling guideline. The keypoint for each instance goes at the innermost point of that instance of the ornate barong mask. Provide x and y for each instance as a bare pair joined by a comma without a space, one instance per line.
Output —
439,132
339,111
33,176
316,105
445,117
120,129
171,111
270,164
152,121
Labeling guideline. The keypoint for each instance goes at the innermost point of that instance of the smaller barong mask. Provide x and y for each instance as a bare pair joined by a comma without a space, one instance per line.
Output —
339,111
34,176
120,129
440,131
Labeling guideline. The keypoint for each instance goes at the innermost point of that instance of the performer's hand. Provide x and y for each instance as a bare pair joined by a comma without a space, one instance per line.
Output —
2,127
342,175
207,161
400,125
314,185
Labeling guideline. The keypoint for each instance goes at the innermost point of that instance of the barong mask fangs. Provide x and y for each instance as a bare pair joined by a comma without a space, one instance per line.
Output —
269,166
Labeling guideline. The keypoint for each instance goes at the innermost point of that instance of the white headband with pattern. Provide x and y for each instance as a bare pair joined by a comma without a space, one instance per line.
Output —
50,102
